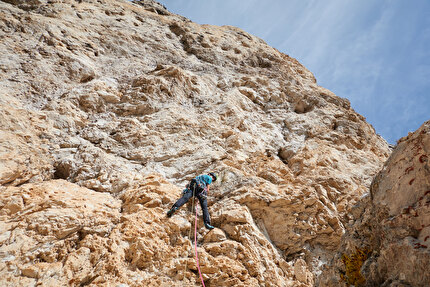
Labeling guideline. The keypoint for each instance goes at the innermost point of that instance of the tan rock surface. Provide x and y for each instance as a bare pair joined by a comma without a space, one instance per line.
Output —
124,102
392,225
44,227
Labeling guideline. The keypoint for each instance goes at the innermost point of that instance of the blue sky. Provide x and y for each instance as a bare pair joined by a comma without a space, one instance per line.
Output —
376,53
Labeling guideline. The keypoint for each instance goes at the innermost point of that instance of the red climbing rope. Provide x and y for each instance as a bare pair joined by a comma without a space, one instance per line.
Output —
195,248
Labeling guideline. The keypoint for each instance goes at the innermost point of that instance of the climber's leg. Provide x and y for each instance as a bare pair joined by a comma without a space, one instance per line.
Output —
206,217
185,197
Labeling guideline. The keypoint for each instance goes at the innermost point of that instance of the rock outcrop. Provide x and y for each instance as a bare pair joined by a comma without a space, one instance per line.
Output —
109,107
388,243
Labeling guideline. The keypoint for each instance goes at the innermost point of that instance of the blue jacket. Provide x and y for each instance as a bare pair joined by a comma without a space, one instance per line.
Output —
204,179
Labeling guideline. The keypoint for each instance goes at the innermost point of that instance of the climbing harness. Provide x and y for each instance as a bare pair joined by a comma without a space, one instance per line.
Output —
195,242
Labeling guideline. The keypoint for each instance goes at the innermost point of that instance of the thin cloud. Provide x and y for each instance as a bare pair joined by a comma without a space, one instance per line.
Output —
375,53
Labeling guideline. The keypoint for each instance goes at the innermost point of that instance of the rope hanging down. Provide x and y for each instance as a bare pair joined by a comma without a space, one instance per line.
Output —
195,248
189,236
195,243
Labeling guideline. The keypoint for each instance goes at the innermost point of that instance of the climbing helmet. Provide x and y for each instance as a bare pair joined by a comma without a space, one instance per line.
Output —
213,176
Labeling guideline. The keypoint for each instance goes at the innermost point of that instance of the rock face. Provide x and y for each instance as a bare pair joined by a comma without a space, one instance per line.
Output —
108,107
45,228
390,237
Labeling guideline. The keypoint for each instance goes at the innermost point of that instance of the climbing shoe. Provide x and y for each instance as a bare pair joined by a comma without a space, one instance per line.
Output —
208,226
171,211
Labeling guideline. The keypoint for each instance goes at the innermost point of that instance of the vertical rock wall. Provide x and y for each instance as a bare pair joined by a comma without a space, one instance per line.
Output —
389,241
117,104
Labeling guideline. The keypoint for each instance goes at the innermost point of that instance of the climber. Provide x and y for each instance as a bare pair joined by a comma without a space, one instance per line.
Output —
198,187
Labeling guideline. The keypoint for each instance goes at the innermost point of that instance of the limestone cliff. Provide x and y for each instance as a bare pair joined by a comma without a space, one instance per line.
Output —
388,242
108,107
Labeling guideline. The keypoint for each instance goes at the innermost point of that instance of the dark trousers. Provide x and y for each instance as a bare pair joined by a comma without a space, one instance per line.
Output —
203,203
